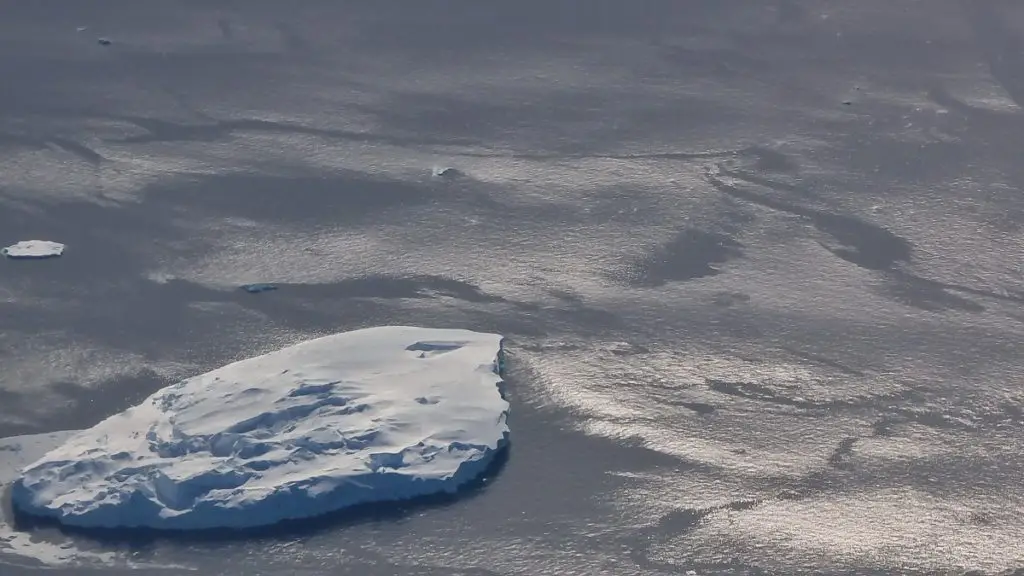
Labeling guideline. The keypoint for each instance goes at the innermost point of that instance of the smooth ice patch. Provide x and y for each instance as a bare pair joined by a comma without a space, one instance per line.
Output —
33,249
372,415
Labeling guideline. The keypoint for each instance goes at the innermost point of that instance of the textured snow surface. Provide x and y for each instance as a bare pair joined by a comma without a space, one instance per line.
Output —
33,249
18,451
17,546
371,415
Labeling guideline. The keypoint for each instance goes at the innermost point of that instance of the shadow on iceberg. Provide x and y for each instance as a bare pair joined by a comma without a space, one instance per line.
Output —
381,511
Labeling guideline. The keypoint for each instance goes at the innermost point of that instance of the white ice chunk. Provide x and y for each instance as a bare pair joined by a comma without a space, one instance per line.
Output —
372,415
33,249
445,172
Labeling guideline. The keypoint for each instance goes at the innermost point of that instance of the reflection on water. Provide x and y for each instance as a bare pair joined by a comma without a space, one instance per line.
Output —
751,329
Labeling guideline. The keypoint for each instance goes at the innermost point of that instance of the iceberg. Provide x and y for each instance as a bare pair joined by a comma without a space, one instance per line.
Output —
33,249
257,288
379,414
446,172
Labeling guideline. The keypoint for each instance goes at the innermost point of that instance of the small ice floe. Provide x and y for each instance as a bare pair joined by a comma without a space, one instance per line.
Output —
33,249
445,172
257,288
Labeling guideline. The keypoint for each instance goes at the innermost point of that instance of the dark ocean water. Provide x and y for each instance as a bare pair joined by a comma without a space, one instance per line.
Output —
758,263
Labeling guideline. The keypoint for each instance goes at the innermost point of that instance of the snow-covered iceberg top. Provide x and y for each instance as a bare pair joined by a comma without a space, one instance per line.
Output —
378,414
33,249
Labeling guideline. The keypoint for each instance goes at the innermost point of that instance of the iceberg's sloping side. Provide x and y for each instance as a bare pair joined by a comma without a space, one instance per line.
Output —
371,415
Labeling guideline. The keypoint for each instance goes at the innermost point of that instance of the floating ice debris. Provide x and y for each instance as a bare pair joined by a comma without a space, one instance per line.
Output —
33,250
351,418
446,172
257,288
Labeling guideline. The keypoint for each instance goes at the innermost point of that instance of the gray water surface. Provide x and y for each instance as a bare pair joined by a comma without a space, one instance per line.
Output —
758,262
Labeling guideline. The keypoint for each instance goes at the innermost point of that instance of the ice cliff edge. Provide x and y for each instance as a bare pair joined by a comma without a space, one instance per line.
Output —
372,415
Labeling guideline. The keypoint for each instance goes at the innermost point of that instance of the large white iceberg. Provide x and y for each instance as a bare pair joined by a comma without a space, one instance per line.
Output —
371,415
33,249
